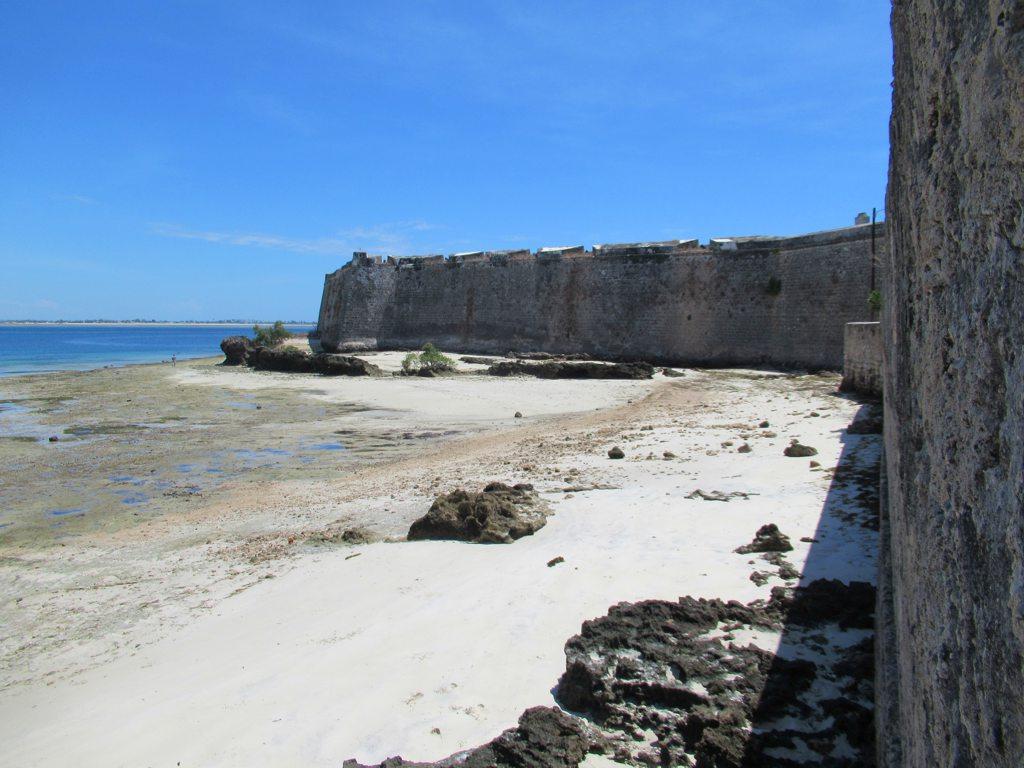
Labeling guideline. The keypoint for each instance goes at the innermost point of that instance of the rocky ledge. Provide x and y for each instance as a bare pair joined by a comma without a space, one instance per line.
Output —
552,369
241,350
236,349
545,737
499,514
682,684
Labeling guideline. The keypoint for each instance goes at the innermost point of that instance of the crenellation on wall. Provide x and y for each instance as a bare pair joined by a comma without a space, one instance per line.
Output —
722,244
558,251
827,237
362,259
665,247
756,243
669,301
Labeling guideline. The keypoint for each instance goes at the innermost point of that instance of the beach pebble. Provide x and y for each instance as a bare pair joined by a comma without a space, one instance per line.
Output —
616,453
796,449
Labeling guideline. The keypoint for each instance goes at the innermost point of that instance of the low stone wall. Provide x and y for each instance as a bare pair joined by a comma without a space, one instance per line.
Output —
862,359
739,301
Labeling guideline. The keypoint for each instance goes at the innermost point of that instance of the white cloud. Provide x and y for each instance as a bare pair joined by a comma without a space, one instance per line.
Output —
75,198
395,237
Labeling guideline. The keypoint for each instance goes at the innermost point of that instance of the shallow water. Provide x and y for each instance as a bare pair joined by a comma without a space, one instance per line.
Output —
134,443
80,347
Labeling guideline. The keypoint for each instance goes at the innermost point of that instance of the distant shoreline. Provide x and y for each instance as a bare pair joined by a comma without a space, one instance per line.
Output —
40,348
6,375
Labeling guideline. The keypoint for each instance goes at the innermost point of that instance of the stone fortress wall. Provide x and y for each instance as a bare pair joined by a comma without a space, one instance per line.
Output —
862,359
950,654
779,301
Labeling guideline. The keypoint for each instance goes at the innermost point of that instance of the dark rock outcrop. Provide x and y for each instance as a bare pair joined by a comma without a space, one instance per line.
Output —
287,359
344,365
767,539
499,514
546,356
236,349
429,370
660,667
284,359
544,738
572,370
798,450
665,669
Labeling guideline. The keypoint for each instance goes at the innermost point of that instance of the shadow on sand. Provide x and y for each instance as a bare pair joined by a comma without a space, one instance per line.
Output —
816,706
713,684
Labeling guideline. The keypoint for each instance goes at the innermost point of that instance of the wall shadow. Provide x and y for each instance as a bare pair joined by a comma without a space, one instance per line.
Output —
816,705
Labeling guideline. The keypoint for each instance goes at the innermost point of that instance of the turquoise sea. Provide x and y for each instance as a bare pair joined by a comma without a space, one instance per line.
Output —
41,348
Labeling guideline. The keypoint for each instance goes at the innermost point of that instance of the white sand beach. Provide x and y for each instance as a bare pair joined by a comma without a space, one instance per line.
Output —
226,635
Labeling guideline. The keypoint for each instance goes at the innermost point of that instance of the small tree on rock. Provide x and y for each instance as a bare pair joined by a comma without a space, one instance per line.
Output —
270,336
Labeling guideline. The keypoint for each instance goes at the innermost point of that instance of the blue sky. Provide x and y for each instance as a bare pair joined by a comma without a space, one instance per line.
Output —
184,160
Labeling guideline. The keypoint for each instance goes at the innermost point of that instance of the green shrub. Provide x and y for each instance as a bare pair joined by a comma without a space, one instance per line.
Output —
270,336
875,300
411,363
430,358
774,287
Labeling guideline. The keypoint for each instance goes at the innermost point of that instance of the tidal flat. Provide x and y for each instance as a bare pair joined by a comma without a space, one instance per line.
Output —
100,450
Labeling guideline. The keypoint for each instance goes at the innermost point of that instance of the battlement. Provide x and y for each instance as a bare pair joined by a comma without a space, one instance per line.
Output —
640,250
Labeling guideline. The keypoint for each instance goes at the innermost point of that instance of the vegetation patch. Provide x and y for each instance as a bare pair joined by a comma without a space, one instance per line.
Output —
875,301
270,335
429,362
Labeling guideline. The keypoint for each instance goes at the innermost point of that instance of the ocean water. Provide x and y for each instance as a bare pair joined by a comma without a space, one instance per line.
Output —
41,348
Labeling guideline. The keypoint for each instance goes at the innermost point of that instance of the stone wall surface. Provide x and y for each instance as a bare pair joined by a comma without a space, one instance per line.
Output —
862,358
951,671
777,301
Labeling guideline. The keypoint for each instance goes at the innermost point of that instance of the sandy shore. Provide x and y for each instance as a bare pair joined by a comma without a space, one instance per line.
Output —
233,626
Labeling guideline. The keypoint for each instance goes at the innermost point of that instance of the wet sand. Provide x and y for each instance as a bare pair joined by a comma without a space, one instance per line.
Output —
239,624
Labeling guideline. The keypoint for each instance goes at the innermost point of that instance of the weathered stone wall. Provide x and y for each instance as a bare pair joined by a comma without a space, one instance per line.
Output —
780,301
862,358
952,652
